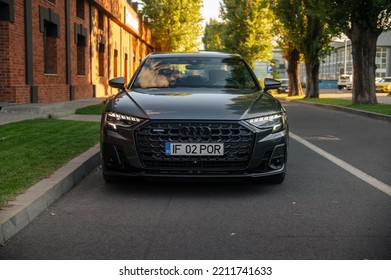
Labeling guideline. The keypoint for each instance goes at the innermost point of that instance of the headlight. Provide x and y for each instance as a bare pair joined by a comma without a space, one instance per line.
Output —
276,122
113,120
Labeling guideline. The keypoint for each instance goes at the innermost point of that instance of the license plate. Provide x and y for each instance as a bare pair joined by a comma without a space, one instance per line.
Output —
194,149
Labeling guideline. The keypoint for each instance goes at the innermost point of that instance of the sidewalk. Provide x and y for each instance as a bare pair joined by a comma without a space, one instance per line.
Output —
382,98
10,112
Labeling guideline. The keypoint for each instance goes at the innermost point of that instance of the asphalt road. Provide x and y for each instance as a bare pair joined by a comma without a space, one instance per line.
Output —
321,211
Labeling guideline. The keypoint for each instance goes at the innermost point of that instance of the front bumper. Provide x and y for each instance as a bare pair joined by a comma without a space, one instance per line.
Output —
138,153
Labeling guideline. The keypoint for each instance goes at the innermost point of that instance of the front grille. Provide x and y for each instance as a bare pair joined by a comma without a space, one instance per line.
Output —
152,137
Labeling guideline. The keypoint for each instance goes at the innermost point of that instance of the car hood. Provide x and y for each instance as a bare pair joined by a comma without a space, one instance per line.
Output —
211,105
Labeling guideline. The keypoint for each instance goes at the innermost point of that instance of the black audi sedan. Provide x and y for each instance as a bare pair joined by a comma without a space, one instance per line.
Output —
194,115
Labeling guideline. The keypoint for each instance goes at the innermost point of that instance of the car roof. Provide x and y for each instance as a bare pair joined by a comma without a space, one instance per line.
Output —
204,54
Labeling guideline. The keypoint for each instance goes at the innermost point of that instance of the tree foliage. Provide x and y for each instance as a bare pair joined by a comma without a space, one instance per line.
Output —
362,21
212,36
247,28
307,33
284,33
175,24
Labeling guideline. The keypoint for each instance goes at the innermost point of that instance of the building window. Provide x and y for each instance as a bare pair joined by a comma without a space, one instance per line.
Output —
349,60
126,67
81,55
134,61
7,10
101,59
115,63
49,25
381,61
100,20
50,48
381,55
81,43
80,9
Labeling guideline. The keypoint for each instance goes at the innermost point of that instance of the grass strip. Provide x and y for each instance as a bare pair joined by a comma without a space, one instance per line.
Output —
96,109
374,108
379,108
33,149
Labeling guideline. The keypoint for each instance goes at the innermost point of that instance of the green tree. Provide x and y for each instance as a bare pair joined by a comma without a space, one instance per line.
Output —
294,57
247,28
285,28
315,44
175,24
212,36
306,33
362,21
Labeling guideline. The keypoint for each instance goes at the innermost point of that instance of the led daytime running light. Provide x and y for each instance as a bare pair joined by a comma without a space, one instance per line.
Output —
263,119
120,117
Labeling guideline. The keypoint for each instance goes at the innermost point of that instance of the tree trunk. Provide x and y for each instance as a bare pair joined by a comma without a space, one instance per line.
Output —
293,71
312,72
364,63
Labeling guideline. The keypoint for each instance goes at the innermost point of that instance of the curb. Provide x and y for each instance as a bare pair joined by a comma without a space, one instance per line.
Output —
344,109
39,197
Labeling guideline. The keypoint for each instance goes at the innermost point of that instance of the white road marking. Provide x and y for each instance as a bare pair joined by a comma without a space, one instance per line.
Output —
344,165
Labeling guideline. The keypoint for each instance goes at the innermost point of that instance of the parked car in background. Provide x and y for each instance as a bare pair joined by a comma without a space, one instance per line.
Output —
349,85
284,86
384,85
345,81
199,115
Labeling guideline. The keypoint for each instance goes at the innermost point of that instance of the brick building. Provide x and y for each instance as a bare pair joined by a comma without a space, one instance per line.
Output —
59,50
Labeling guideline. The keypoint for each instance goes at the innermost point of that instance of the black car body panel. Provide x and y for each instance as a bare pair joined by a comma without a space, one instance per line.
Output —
192,104
226,130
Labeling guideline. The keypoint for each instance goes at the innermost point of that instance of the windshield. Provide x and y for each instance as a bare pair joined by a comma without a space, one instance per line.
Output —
185,72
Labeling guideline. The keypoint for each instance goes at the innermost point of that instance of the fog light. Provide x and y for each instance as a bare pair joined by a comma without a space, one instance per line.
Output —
276,163
110,154
277,158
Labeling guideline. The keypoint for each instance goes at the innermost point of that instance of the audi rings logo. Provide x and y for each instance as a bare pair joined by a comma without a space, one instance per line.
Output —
195,131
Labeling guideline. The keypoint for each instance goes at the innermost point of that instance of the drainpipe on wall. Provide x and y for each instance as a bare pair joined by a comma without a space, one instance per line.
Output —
108,52
28,43
68,51
91,46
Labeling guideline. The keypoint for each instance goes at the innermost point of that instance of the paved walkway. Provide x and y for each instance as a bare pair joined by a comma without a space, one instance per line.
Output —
62,110
383,98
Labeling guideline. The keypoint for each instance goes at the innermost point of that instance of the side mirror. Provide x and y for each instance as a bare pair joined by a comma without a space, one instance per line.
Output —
118,82
271,84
